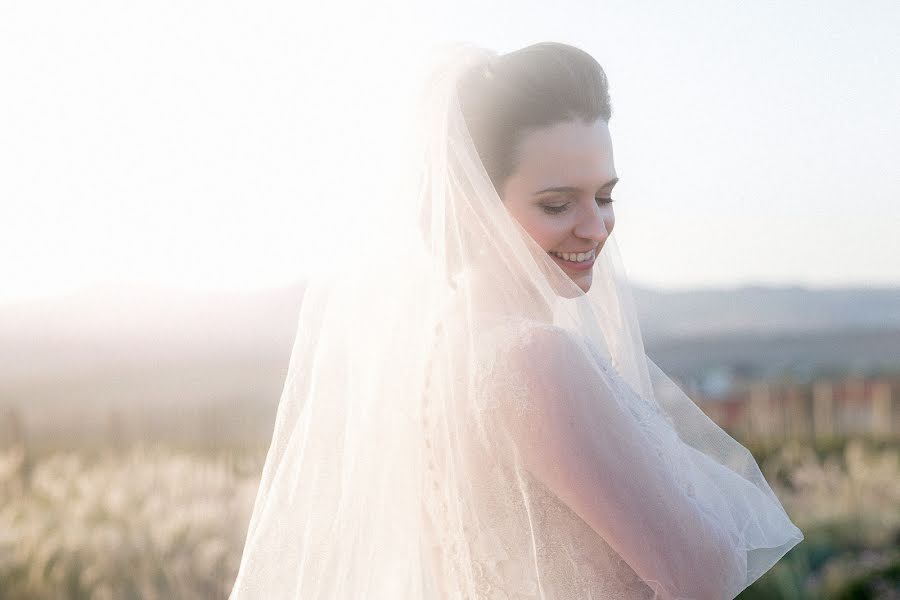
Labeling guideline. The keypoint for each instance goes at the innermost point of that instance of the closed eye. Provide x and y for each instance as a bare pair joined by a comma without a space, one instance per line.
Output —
555,210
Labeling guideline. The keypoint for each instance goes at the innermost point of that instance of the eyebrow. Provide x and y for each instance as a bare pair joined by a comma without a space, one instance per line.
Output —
569,188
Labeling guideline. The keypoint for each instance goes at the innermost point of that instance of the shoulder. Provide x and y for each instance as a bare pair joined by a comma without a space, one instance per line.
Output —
541,362
546,389
542,346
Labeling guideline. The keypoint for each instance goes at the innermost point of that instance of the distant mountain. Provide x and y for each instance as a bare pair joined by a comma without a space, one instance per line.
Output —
764,332
196,367
764,310
767,355
133,325
178,360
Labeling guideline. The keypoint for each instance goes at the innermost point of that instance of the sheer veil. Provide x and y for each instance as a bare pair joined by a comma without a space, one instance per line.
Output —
460,420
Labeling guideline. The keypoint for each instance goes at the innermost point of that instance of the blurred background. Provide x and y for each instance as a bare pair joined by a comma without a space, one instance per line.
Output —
157,227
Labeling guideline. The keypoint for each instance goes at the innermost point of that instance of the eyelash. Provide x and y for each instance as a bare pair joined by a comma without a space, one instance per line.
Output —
555,210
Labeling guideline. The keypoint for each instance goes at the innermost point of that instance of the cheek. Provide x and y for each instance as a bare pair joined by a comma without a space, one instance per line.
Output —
549,231
546,230
609,218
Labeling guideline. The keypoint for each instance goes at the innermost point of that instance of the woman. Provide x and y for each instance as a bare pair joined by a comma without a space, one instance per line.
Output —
471,414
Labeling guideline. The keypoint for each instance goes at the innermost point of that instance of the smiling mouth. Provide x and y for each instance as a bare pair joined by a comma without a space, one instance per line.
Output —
576,257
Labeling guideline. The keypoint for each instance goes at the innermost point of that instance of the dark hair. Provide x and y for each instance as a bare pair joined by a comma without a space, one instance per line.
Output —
540,85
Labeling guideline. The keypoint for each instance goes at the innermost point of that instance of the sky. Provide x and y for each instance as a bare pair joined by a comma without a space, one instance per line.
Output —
159,142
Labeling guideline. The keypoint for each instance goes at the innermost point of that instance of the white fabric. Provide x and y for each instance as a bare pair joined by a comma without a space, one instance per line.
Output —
460,420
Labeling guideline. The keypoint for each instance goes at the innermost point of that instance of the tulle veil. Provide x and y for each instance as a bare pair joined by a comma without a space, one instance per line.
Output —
460,420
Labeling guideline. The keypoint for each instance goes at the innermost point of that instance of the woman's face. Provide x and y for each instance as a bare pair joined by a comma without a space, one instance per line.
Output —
560,193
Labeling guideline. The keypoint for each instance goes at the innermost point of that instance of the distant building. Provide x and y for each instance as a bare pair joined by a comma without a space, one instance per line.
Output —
823,408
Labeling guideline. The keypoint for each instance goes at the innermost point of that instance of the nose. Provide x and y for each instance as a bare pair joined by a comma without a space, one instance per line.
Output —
595,225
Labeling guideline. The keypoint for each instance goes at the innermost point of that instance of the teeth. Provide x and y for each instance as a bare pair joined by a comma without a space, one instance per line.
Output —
579,257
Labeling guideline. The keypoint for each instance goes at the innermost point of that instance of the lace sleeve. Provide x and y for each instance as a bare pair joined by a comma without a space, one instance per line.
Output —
578,431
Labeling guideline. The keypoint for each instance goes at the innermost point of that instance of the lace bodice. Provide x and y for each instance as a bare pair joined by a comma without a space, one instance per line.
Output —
550,417
527,544
573,561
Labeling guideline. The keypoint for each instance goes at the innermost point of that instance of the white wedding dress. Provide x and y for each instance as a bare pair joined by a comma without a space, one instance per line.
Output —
460,420
690,523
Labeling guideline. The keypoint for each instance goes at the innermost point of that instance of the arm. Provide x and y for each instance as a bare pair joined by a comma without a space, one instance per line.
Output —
578,438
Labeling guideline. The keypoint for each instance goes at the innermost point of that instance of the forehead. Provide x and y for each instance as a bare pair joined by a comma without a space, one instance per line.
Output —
571,152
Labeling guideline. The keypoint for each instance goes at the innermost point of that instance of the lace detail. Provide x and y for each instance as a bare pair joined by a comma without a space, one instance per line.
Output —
528,545
568,560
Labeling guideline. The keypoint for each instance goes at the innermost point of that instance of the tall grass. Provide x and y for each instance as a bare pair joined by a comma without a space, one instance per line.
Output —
845,498
149,523
159,522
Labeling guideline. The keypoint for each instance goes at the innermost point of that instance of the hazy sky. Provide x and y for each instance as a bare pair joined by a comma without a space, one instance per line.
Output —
158,142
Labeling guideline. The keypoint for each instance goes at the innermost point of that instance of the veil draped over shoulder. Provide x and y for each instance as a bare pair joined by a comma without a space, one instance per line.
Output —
460,420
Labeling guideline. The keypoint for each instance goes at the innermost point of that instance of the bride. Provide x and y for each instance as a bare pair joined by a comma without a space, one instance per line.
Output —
470,412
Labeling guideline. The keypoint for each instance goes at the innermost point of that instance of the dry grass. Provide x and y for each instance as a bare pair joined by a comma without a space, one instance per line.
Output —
149,523
156,522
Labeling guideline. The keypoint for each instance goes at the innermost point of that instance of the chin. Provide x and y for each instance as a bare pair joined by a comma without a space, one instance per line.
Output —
584,283
569,292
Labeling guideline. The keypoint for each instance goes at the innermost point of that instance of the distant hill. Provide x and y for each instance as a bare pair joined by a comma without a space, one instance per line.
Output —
767,355
134,325
767,332
128,327
199,368
198,358
764,310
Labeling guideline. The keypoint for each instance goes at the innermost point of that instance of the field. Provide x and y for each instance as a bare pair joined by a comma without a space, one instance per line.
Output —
147,522
158,521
